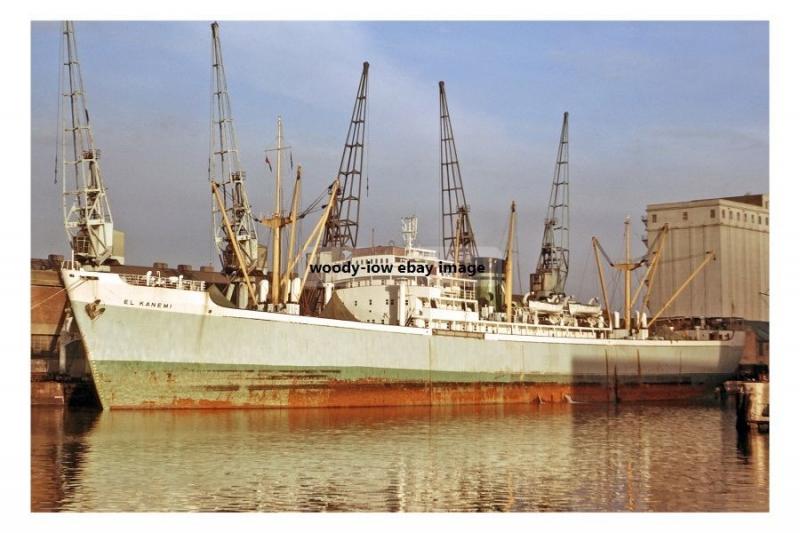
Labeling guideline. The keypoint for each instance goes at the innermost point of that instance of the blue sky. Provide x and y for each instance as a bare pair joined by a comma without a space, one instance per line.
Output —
659,111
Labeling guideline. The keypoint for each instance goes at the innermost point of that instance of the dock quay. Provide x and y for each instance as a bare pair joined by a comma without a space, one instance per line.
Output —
752,404
54,377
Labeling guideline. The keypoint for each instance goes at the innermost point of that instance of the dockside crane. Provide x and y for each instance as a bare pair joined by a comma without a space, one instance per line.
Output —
550,277
87,214
341,230
237,245
458,239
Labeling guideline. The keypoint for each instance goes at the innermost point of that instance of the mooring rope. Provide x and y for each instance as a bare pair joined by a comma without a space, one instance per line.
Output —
54,295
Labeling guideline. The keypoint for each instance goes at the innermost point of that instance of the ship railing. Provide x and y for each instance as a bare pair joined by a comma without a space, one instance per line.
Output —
167,282
465,286
378,280
420,253
519,328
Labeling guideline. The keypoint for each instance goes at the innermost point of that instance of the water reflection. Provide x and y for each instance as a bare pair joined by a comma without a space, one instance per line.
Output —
58,449
677,457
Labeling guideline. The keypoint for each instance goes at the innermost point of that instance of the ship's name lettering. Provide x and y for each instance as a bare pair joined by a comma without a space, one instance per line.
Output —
145,303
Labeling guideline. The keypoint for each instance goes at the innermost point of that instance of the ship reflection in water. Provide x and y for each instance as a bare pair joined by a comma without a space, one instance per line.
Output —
665,457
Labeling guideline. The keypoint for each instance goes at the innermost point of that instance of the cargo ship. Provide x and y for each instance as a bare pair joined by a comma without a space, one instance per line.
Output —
377,326
157,342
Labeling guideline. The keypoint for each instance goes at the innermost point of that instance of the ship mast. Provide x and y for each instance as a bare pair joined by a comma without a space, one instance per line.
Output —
550,277
508,268
458,240
278,214
293,218
279,292
627,269
224,170
278,220
629,264
342,226
87,214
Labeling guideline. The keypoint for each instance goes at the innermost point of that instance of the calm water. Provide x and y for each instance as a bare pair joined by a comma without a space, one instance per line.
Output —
675,457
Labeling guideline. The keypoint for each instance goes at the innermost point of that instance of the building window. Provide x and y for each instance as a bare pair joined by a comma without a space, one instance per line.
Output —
723,213
713,213
738,216
685,215
387,301
752,218
355,303
370,302
759,219
655,218
767,221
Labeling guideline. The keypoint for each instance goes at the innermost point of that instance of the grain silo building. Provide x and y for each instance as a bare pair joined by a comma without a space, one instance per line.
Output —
736,284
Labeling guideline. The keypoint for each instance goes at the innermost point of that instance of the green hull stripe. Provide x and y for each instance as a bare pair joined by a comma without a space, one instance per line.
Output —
300,374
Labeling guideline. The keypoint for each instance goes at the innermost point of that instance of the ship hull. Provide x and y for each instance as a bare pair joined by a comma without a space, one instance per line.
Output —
136,385
164,348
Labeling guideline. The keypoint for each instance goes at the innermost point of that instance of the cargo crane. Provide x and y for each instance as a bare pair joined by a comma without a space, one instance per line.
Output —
87,214
458,240
650,259
341,230
233,223
550,277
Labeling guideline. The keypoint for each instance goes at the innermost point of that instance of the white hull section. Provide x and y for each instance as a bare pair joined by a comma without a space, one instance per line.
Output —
140,329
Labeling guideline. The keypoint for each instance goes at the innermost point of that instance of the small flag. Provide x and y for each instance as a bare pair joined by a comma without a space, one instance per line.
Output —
266,160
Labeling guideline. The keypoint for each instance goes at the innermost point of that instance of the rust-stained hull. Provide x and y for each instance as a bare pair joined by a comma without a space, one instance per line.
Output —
152,347
371,394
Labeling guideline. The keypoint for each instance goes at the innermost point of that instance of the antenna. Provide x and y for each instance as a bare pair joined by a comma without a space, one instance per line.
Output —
224,169
342,226
409,230
87,214
553,266
458,240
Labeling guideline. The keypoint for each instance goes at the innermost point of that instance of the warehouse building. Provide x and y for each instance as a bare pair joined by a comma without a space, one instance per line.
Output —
736,284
